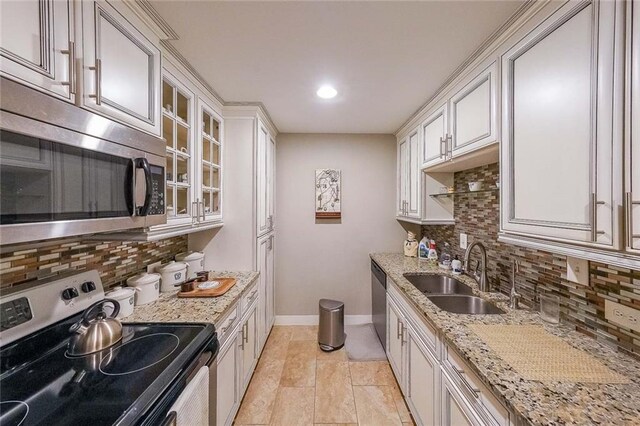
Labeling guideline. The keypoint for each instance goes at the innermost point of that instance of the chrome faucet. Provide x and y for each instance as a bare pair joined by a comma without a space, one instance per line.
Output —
514,296
479,276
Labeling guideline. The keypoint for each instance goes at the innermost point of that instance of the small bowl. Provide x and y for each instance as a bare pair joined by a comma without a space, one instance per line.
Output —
475,186
188,286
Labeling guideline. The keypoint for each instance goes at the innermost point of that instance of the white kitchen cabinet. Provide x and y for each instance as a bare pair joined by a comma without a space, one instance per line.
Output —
209,191
37,45
228,396
248,345
395,341
632,150
409,176
434,134
265,173
562,121
474,113
266,305
455,410
422,379
121,66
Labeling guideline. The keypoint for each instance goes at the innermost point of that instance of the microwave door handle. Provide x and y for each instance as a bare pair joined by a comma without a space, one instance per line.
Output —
143,163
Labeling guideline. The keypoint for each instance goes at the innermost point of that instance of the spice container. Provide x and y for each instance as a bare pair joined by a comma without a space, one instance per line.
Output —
550,308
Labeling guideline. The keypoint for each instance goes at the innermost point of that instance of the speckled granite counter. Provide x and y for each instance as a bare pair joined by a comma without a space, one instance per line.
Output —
534,402
170,308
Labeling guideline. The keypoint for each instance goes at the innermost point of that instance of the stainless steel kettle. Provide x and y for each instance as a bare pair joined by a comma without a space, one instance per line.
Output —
95,332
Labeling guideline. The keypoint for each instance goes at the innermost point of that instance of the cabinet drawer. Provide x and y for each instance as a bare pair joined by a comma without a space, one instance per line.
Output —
479,396
226,325
249,297
425,330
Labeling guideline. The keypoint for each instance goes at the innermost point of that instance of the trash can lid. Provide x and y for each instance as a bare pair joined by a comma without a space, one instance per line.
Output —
330,305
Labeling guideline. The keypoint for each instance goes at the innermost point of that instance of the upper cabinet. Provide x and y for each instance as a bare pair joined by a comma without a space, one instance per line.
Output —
265,175
409,176
121,67
37,45
434,132
209,195
562,127
632,135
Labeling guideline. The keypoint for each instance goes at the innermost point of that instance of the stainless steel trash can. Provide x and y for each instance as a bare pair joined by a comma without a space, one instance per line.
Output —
331,330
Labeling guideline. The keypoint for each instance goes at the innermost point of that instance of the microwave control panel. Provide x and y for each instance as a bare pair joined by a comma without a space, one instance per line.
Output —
157,191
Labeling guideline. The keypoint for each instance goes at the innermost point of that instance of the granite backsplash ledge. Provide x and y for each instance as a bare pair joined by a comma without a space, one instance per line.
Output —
115,261
478,215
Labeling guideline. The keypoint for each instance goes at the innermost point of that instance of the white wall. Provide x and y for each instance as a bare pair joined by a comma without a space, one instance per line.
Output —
330,259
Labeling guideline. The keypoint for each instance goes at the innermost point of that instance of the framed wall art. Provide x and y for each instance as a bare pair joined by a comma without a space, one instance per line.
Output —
328,194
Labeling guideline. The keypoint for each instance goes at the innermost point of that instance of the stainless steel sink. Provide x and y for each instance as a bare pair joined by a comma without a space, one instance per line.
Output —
438,284
464,304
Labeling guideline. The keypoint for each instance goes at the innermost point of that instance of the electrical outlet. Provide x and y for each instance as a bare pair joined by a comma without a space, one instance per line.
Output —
152,267
578,270
622,315
463,241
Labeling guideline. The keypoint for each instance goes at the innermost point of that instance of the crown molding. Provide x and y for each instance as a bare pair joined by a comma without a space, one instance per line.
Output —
153,14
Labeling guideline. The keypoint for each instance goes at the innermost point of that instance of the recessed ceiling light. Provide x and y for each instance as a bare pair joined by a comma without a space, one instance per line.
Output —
327,92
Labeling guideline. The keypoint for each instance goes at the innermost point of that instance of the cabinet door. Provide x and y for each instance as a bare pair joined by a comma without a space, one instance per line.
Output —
474,114
422,381
227,380
561,127
403,168
270,303
121,67
262,172
395,341
209,192
455,411
37,47
271,182
248,346
434,134
414,173
266,307
633,131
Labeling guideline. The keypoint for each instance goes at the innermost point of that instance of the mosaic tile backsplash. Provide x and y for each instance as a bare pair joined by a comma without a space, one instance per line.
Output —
114,261
478,215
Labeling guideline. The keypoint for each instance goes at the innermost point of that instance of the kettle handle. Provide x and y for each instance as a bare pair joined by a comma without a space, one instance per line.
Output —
116,309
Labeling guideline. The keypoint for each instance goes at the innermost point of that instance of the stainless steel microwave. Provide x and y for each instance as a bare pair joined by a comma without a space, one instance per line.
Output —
65,171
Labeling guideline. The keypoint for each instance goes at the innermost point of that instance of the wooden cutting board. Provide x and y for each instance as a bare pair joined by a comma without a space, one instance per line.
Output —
225,285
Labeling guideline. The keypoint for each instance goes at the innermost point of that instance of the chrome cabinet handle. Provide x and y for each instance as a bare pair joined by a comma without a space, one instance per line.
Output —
450,145
594,217
204,218
443,142
71,51
242,335
629,203
475,392
397,328
252,296
231,321
98,69
194,208
245,334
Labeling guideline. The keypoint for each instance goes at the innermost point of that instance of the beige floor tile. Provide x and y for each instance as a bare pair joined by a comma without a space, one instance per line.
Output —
375,406
300,364
294,406
339,355
304,332
401,405
371,373
334,394
281,333
335,424
258,402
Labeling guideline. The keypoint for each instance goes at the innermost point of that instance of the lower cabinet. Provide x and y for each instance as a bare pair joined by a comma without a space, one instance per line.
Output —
248,345
438,386
228,395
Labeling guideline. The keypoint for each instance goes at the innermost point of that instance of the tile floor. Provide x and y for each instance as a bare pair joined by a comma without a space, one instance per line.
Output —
295,383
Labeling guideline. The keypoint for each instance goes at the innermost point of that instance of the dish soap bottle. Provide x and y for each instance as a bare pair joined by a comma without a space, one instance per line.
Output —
445,257
433,254
423,249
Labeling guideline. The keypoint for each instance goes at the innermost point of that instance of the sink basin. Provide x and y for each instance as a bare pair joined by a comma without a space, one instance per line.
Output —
438,284
464,304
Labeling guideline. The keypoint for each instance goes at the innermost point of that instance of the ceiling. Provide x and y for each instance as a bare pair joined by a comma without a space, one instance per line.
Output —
386,59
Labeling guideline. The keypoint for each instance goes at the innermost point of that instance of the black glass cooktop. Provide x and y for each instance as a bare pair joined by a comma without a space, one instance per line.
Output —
45,386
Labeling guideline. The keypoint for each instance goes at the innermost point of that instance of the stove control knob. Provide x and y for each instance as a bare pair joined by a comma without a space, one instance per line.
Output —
69,293
88,286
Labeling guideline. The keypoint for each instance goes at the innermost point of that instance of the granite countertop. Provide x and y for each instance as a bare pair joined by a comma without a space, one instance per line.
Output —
534,402
170,308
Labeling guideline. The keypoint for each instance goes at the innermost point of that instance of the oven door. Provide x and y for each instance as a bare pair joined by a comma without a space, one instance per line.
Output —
56,183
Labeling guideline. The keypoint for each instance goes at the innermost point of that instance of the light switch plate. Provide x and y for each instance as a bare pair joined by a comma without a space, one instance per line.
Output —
622,315
578,270
463,241
151,268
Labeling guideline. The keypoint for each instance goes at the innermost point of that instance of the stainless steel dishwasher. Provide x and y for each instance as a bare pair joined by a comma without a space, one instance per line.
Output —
379,302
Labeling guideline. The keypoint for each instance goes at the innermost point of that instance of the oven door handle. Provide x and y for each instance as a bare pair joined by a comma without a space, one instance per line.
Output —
170,420
143,163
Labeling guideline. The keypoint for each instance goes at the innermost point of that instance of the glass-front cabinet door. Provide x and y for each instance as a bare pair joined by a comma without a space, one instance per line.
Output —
177,110
210,170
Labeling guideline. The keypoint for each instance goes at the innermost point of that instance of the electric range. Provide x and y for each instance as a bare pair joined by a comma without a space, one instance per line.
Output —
134,382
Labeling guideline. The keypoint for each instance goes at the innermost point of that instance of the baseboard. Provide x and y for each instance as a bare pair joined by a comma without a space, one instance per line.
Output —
314,319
